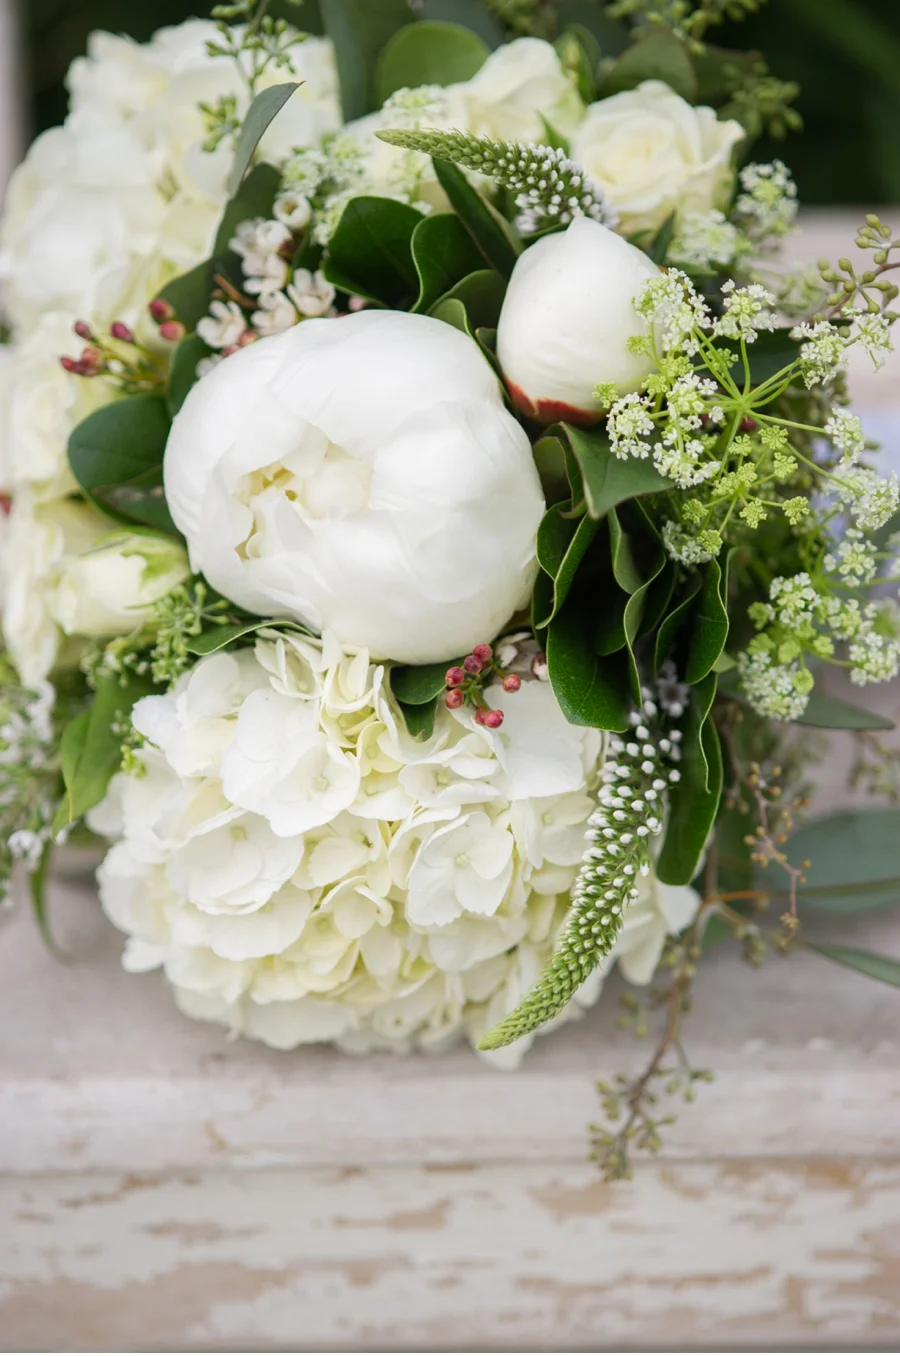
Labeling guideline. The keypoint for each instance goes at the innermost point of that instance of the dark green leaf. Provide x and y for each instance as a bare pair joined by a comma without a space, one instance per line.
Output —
485,225
833,713
579,52
371,251
658,56
710,630
550,460
481,293
771,353
675,620
452,312
637,582
359,30
263,109
854,861
608,480
659,246
184,371
562,542
189,295
116,456
716,68
416,684
37,889
420,719
869,963
612,36
443,253
591,689
254,199
471,13
91,745
430,52
217,637
694,800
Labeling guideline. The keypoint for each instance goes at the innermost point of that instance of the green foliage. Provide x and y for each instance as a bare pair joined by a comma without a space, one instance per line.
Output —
603,479
490,233
254,198
592,689
854,862
883,968
92,744
833,713
418,684
189,294
481,296
611,36
694,801
183,374
710,618
472,14
443,253
428,53
562,542
37,891
261,112
359,30
220,637
370,253
116,456
658,56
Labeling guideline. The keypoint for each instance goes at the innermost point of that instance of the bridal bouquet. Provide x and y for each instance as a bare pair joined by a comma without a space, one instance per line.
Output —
433,516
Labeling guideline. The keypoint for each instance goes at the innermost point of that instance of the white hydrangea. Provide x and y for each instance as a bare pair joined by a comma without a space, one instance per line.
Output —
304,870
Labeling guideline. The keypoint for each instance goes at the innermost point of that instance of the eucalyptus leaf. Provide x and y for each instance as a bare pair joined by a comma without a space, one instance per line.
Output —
854,862
715,69
189,295
562,542
444,254
91,744
254,198
371,251
608,480
694,800
833,713
658,56
430,52
591,689
710,622
359,30
183,373
883,968
490,232
37,889
265,106
116,457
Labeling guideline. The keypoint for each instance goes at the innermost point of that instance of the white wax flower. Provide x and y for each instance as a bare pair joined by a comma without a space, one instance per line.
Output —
652,153
360,475
566,320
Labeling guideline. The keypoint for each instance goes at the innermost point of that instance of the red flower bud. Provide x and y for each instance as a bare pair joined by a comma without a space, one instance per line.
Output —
70,365
118,330
471,664
248,337
91,361
748,424
454,698
493,719
172,330
480,714
512,682
483,653
5,503
160,310
83,329
453,677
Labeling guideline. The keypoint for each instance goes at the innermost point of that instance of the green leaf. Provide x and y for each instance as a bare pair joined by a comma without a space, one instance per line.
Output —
217,637
253,199
833,713
429,52
552,467
189,295
452,312
675,620
869,963
183,374
37,889
444,254
658,56
481,293
371,251
359,30
711,65
417,684
637,582
710,630
591,689
854,861
91,745
263,109
612,36
562,542
490,232
772,351
659,245
579,52
420,719
694,800
608,480
116,456
471,13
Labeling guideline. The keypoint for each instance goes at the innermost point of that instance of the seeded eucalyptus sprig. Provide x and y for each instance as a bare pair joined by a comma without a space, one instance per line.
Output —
629,813
550,188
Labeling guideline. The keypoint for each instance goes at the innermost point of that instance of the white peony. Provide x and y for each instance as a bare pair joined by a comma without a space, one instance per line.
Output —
566,319
652,153
402,929
360,475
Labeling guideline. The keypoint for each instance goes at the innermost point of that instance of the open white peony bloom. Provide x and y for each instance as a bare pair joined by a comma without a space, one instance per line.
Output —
360,475
413,905
566,320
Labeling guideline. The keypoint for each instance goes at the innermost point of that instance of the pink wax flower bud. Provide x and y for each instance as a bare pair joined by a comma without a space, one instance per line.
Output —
91,360
492,719
70,365
471,664
160,310
453,677
512,682
83,329
121,331
172,330
483,653
248,337
454,698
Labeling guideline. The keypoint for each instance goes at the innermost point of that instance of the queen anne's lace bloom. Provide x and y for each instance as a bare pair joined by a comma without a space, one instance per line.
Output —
304,870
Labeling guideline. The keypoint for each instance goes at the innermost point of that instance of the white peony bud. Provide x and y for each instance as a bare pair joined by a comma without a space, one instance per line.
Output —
360,475
566,319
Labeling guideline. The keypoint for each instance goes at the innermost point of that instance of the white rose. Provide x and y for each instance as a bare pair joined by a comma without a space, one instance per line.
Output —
360,475
652,153
566,319
109,589
520,85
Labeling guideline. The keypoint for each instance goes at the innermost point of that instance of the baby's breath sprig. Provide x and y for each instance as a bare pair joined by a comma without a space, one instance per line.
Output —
629,814
550,188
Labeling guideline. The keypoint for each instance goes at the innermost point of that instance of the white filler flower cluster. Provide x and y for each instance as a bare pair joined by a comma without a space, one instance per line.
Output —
304,870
